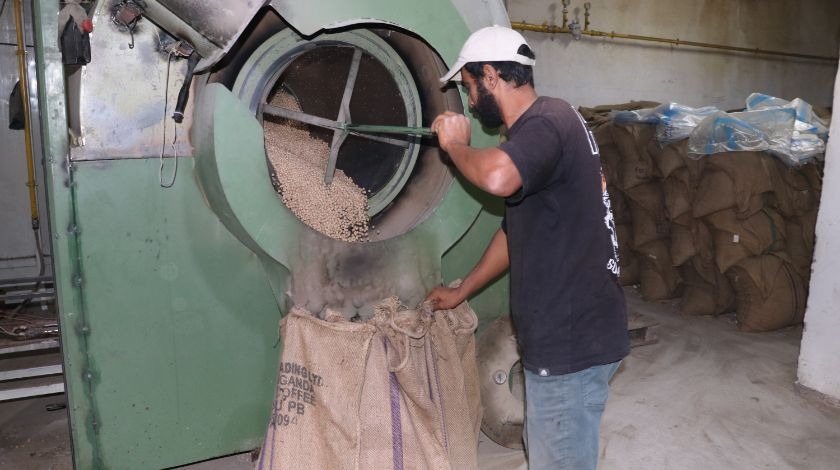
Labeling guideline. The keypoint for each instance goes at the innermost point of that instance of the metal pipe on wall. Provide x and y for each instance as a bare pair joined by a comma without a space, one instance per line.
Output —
27,123
27,132
552,29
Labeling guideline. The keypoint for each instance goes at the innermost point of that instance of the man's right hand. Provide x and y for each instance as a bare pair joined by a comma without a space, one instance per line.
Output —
445,298
452,129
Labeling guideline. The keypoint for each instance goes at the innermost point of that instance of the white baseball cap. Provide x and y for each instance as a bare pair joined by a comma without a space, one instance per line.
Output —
490,44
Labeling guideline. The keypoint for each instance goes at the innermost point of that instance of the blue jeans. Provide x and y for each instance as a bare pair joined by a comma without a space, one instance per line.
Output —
562,417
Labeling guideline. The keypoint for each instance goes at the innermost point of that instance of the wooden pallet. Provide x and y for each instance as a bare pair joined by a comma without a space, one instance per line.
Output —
641,329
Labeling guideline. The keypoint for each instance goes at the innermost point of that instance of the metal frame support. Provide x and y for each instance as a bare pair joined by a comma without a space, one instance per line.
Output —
30,373
57,386
29,392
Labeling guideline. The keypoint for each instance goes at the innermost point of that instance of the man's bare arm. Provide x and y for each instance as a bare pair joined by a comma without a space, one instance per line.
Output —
491,169
493,262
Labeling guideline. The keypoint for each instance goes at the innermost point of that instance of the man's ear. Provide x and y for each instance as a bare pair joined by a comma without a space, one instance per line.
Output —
491,76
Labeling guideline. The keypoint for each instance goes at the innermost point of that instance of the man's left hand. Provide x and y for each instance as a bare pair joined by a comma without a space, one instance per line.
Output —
445,298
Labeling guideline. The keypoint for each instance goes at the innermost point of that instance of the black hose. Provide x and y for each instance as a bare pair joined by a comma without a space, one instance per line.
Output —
184,94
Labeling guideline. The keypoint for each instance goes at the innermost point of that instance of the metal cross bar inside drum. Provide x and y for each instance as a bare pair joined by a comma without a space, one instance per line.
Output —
362,130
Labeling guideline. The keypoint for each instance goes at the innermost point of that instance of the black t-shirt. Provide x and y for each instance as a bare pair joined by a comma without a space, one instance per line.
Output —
566,302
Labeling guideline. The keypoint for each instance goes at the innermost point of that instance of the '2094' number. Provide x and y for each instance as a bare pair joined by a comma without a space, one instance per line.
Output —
282,419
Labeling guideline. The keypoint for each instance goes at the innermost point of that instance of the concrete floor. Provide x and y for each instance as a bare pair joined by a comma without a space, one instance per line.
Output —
708,396
704,396
32,437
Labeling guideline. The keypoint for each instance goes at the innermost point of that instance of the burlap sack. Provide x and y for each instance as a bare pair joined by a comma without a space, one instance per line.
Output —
751,174
688,240
647,226
415,391
636,163
649,197
602,132
598,115
453,350
799,242
701,236
610,164
696,166
647,208
628,261
630,274
658,277
433,361
698,298
717,191
793,195
705,267
598,118
768,293
619,206
736,239
706,291
400,391
808,222
654,150
678,193
381,440
624,232
813,173
682,244
671,157
724,294
315,417
600,123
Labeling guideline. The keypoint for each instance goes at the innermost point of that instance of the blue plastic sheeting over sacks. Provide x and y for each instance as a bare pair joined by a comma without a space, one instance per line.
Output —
788,129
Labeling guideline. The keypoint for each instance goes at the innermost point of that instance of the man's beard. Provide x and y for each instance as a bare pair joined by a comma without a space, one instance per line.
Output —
487,109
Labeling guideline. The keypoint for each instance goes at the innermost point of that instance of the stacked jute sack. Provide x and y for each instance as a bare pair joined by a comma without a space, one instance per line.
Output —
727,231
399,391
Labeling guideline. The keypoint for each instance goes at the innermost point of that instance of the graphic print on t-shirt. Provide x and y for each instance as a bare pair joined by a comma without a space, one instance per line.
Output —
609,221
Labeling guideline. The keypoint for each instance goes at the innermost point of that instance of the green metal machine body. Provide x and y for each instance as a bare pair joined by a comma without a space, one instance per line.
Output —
170,295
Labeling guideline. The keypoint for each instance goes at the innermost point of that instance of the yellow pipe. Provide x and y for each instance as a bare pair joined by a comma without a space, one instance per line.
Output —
27,123
550,29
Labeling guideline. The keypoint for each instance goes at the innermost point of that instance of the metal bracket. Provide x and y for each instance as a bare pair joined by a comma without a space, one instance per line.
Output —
340,135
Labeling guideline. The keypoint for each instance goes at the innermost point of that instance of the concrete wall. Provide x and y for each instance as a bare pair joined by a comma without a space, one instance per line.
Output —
595,71
819,359
586,72
17,240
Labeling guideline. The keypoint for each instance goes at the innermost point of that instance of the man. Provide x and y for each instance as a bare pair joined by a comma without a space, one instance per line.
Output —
557,238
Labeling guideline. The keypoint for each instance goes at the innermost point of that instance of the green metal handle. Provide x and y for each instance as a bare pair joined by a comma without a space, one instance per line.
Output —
343,126
376,129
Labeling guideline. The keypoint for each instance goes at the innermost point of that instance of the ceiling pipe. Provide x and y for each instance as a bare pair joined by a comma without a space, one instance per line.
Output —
566,28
